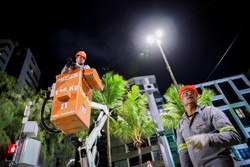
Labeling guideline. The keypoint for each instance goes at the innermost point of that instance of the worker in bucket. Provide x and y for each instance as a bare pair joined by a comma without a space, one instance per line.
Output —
80,60
204,134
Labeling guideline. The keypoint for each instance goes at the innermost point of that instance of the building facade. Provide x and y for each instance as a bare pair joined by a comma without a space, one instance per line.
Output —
20,63
7,47
233,98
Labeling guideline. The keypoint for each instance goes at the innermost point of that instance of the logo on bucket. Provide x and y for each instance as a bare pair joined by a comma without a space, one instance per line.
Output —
64,104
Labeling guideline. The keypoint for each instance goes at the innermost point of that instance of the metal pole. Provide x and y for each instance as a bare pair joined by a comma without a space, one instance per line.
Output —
168,66
164,146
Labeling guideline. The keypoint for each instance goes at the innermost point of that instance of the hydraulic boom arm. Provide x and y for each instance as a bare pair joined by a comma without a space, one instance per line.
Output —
88,151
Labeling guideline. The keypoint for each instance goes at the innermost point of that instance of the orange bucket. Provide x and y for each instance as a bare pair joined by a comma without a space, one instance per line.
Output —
71,109
93,79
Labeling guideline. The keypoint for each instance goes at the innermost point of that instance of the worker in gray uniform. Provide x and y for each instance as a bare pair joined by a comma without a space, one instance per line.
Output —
204,134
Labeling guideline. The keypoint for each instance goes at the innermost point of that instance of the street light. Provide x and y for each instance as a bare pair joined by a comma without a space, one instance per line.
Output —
156,38
164,146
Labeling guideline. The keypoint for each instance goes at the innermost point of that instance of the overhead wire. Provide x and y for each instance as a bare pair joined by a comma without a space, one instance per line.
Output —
199,11
121,59
225,52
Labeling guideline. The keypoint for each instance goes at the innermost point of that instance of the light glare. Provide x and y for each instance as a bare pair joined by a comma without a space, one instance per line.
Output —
150,39
158,33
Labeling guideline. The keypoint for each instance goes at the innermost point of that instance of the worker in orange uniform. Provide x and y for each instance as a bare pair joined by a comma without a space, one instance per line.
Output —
80,60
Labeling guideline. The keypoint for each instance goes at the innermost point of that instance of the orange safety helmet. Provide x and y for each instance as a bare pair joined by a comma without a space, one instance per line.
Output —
81,53
192,87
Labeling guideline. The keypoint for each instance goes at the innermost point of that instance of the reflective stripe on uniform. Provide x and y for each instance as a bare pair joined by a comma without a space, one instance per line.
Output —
182,146
228,128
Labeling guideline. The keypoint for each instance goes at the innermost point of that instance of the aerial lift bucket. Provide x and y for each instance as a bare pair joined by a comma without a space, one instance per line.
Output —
71,107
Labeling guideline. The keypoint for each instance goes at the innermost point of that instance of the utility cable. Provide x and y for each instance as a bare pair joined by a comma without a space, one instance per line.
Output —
42,120
121,59
225,52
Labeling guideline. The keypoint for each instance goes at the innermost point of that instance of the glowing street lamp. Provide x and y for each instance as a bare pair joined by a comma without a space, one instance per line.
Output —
156,38
164,146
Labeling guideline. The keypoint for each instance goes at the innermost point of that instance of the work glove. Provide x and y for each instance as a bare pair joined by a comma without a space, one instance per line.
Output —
70,62
197,142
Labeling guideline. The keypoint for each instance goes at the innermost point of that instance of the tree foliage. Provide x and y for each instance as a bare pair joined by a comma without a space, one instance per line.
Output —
132,123
111,96
13,101
113,92
174,108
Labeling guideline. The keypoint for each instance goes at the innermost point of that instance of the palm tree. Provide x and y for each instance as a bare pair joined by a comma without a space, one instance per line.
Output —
174,108
133,123
111,96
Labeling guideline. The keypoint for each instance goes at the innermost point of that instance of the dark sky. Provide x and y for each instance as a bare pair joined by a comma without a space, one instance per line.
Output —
203,39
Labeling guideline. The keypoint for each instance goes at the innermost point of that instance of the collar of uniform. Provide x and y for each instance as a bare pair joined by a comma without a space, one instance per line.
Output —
198,108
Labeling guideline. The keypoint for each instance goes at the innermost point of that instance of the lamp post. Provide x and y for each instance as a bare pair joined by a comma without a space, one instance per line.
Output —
163,143
164,146
156,38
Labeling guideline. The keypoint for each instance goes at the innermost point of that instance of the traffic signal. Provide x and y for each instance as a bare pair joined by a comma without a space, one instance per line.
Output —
11,148
11,151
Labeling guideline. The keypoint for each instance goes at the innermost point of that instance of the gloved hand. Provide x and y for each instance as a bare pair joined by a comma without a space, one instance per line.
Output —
197,142
70,62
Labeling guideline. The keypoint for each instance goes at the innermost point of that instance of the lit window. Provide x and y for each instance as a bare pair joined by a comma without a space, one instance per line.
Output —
240,113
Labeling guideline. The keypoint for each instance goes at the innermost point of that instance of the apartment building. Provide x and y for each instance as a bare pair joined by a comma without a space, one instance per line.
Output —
20,63
233,98
7,47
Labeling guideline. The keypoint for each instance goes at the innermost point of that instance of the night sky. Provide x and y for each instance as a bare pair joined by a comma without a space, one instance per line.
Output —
203,39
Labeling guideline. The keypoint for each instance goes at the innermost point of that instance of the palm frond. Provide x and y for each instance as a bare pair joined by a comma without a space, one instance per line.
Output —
205,97
170,119
174,109
113,92
132,122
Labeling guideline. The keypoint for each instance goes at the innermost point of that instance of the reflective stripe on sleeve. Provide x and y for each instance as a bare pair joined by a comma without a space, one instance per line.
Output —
182,146
228,128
